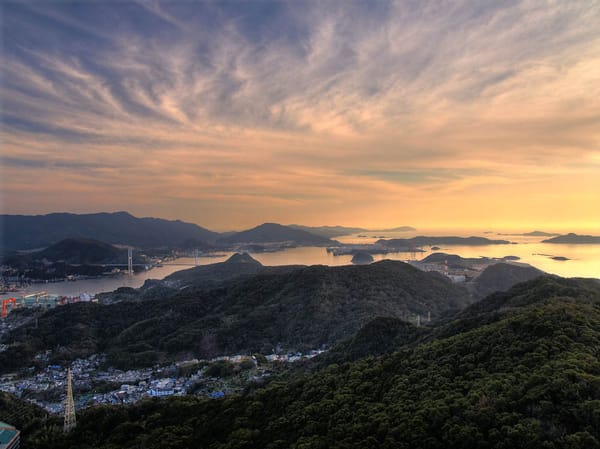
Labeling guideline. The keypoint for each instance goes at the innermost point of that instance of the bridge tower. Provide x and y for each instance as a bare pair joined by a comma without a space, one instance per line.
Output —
70,419
129,260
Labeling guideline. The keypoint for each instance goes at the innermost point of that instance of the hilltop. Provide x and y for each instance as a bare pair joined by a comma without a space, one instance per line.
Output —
536,386
72,251
81,251
23,232
239,265
502,276
276,233
382,335
73,256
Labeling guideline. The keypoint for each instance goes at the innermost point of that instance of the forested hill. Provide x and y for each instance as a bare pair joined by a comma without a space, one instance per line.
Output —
214,275
35,231
73,251
528,378
502,276
301,309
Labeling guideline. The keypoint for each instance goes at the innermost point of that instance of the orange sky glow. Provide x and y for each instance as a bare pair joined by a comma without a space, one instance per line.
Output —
477,116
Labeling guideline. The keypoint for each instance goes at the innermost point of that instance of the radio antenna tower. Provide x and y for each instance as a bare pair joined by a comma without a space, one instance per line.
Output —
129,260
70,420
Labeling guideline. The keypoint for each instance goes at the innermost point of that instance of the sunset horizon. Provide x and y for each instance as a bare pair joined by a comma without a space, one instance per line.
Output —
229,115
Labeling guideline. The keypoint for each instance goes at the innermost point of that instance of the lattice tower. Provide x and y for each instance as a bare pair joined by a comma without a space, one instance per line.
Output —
70,419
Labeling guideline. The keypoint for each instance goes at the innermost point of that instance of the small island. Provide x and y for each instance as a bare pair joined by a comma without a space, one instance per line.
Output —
362,258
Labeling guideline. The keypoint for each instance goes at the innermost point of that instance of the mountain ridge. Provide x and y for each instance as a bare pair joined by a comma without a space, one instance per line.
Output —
22,232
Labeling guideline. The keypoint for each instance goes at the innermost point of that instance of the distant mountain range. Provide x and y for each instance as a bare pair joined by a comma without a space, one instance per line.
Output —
573,238
21,232
27,232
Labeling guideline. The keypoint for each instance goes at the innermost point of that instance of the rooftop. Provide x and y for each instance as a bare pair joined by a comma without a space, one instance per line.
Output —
7,434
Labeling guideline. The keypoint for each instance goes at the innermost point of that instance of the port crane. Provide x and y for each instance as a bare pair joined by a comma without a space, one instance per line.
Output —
5,303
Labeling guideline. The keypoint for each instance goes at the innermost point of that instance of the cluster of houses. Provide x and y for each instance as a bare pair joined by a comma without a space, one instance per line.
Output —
92,385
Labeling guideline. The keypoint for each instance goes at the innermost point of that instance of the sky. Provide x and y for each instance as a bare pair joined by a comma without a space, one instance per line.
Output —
436,114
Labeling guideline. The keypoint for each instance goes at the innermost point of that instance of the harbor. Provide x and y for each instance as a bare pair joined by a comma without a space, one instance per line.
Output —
41,300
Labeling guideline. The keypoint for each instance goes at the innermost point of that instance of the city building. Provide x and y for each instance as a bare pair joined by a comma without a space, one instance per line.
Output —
10,437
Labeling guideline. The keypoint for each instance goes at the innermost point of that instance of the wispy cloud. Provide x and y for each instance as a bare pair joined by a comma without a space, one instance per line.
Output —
309,108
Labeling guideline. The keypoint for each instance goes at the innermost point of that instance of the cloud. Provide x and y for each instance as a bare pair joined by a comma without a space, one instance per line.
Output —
310,107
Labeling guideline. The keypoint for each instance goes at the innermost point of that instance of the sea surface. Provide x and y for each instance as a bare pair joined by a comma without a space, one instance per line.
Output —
584,260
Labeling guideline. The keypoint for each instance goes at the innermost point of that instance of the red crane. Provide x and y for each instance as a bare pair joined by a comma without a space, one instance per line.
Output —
5,303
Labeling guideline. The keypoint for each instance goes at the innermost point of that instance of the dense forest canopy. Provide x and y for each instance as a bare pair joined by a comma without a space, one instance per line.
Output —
520,369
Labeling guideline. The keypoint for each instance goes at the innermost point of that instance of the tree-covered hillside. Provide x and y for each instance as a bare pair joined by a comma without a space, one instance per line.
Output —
304,308
528,376
501,276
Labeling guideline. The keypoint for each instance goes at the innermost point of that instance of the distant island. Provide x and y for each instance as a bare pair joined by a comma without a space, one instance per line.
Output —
574,238
540,234
533,234
337,231
398,229
328,231
362,258
275,233
424,240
